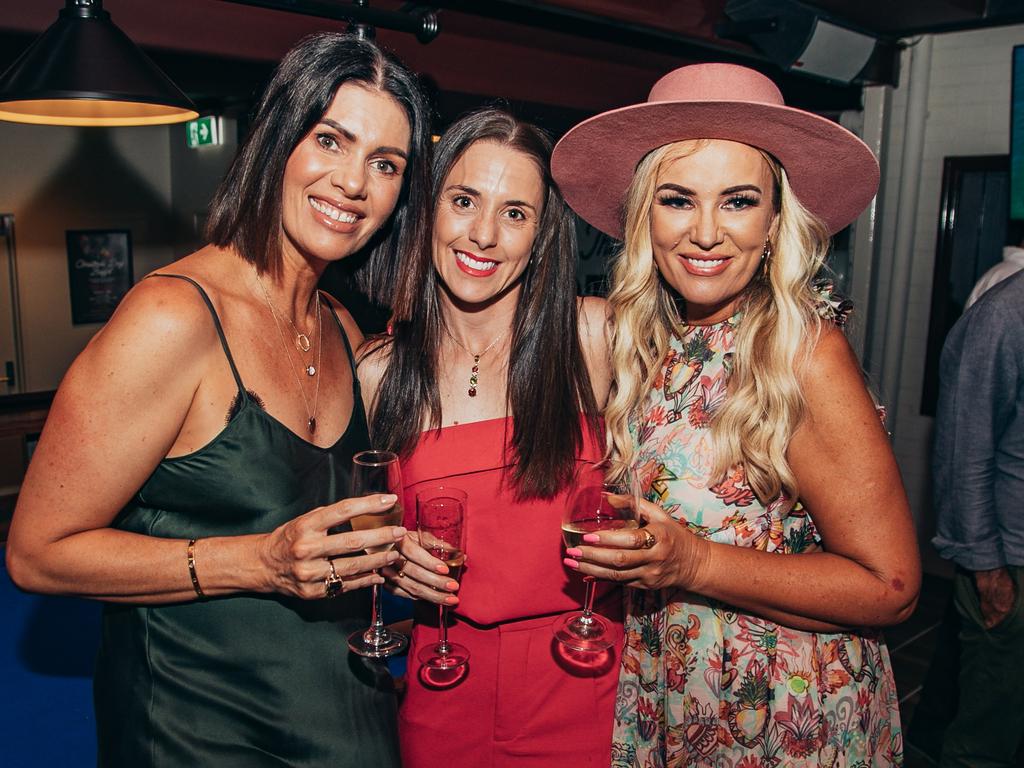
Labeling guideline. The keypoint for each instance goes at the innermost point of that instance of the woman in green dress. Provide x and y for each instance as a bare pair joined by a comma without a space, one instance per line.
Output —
198,450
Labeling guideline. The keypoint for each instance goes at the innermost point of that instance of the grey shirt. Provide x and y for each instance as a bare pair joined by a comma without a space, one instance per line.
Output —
978,462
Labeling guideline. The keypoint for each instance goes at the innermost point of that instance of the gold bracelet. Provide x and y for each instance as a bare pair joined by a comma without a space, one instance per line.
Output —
192,567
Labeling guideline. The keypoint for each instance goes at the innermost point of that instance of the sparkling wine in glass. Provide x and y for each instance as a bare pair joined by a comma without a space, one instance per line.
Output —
603,499
377,472
440,525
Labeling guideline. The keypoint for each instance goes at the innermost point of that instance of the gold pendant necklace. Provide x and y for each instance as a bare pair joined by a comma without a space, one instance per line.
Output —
302,342
474,374
310,370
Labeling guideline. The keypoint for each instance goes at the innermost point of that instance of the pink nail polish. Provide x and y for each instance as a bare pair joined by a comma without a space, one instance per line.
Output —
570,563
451,585
451,600
442,569
574,552
591,538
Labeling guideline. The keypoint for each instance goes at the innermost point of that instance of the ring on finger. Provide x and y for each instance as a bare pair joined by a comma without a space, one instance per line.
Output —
333,584
400,571
649,539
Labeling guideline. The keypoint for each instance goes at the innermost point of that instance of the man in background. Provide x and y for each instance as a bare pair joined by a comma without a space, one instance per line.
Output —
978,471
1013,262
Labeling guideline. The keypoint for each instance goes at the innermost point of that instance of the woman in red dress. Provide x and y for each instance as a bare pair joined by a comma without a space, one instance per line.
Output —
491,381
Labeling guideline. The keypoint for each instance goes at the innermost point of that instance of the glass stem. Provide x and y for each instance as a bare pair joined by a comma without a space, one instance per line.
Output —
442,629
588,601
377,624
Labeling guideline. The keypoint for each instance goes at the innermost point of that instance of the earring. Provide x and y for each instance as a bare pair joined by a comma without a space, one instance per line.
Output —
767,252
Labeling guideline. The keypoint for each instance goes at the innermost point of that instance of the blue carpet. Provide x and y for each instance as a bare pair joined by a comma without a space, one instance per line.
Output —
47,650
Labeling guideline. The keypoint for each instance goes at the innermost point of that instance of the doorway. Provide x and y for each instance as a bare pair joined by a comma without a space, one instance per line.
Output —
12,363
973,222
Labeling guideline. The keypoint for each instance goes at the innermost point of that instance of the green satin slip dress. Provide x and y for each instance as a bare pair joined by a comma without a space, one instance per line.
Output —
249,680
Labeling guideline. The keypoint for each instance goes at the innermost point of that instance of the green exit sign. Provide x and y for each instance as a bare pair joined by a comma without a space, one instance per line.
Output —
205,130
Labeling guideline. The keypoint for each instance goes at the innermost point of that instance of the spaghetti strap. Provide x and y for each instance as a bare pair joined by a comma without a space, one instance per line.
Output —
216,323
344,338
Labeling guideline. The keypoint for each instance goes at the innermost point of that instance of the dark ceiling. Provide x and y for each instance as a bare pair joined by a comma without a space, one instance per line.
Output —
900,18
697,18
564,59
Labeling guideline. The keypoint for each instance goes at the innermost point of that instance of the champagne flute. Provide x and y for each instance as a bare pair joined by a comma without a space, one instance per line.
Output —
604,499
440,525
377,472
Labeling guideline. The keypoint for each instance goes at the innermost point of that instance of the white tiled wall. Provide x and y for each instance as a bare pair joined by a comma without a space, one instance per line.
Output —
968,114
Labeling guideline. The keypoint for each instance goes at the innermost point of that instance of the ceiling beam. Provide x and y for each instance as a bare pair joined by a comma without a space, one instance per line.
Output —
422,24
572,21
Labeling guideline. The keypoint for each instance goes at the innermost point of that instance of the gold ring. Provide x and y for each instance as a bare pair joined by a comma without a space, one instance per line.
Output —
649,539
400,572
333,585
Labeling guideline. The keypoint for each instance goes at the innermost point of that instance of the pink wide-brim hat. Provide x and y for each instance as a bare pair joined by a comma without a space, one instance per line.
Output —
832,172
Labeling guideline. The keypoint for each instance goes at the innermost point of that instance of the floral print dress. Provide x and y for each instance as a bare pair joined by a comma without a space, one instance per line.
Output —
704,684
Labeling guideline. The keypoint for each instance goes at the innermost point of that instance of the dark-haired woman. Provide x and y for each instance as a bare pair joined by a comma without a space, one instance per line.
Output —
198,450
491,381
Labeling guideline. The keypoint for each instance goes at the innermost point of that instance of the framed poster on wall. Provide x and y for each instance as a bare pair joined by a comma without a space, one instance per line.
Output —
99,272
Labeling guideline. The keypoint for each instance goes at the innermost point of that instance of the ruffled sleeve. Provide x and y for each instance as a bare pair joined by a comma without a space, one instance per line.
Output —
830,304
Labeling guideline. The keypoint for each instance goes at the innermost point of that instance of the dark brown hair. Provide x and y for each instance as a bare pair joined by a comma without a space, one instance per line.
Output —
246,210
548,383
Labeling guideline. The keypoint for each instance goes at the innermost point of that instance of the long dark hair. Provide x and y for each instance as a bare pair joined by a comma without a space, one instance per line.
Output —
246,210
548,383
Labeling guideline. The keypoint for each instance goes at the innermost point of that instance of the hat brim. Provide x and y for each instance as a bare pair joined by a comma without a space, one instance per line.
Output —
832,172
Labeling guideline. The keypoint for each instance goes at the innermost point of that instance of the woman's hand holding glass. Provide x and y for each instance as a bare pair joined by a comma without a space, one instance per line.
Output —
603,497
378,472
662,554
420,576
441,530
297,556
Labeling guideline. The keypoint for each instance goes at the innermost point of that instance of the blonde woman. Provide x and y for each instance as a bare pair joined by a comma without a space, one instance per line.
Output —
782,536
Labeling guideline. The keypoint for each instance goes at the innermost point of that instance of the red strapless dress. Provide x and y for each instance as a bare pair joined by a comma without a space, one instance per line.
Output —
524,701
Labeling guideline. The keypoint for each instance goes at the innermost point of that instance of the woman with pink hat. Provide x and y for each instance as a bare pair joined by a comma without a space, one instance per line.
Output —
781,538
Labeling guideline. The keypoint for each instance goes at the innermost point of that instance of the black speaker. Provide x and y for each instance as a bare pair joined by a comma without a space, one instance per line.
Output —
800,39
1005,10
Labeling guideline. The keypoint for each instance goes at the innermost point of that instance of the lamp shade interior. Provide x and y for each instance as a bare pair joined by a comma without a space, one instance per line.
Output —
85,71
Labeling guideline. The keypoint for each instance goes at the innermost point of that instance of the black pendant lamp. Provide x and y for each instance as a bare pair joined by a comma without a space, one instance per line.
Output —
83,70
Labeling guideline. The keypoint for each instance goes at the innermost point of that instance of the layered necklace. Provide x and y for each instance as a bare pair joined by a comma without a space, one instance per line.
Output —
302,344
474,374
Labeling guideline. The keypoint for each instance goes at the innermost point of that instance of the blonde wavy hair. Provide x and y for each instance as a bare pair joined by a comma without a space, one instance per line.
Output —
780,325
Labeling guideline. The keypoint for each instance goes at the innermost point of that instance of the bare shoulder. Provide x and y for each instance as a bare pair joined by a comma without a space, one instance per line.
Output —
595,315
162,316
374,352
371,363
595,318
152,351
595,332
831,377
157,345
839,410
